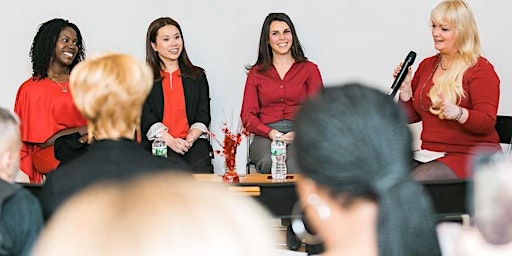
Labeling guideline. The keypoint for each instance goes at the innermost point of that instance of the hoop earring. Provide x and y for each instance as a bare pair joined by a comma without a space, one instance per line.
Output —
298,226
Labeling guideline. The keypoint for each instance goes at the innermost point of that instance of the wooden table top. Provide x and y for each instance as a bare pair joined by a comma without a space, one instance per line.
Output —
249,178
277,196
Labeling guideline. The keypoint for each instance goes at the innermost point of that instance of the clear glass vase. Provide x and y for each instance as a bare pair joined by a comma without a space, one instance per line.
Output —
230,176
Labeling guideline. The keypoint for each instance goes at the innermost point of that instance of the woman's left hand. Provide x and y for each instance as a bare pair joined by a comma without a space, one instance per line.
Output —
448,110
288,137
193,135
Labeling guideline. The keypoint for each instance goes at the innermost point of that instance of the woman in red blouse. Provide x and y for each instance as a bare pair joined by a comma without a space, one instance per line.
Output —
44,103
455,94
277,84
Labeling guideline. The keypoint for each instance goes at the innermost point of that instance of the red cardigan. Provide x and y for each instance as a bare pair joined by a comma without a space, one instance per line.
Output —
268,98
461,141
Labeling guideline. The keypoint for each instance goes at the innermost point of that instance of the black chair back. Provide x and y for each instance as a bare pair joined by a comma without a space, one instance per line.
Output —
504,128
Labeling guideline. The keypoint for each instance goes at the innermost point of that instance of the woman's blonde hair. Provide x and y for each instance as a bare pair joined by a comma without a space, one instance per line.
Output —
163,214
109,91
458,15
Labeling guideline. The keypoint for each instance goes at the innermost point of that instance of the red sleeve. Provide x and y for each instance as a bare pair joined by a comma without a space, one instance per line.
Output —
483,94
30,115
314,81
43,110
251,108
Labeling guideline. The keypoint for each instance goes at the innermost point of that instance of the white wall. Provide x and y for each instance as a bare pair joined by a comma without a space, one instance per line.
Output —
350,40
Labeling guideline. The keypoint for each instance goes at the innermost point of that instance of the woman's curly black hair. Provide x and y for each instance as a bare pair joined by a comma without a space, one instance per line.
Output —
43,46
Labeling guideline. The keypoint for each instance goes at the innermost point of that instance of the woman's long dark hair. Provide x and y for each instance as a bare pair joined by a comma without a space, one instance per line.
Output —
154,61
354,141
43,46
265,51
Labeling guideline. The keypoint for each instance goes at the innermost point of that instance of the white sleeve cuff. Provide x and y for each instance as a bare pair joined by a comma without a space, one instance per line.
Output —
155,129
201,127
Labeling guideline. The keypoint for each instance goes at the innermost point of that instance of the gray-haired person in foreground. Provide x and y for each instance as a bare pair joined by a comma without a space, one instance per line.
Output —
20,214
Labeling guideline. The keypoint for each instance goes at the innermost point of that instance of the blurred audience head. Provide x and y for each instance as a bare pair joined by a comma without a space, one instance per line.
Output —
163,214
491,206
109,91
492,197
10,145
354,150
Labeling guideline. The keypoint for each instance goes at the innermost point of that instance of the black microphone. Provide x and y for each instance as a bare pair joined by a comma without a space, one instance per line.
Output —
409,60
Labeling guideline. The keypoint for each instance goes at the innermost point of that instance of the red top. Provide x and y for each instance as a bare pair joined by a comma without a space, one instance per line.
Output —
44,109
268,98
482,88
175,115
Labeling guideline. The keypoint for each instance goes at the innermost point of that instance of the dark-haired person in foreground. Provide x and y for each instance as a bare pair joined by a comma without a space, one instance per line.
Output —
20,213
109,91
354,151
44,103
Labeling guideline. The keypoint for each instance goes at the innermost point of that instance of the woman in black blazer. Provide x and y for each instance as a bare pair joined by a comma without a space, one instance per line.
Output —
178,106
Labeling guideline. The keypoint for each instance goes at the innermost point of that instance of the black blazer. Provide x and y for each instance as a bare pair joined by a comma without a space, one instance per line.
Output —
104,160
197,104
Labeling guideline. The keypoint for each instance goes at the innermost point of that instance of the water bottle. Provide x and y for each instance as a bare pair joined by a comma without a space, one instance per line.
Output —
158,148
278,155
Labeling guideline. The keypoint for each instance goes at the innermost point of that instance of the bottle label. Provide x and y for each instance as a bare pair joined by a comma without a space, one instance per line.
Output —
278,155
277,151
160,151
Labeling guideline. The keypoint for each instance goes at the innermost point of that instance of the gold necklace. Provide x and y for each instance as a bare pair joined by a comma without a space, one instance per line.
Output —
423,86
441,65
62,86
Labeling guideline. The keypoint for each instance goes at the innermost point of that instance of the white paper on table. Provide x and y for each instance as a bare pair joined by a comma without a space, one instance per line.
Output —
283,252
425,156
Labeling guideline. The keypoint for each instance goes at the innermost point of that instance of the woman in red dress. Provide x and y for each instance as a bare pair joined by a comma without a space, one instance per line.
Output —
43,102
455,94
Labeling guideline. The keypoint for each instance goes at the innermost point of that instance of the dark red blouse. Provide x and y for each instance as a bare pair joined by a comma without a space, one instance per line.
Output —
268,98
